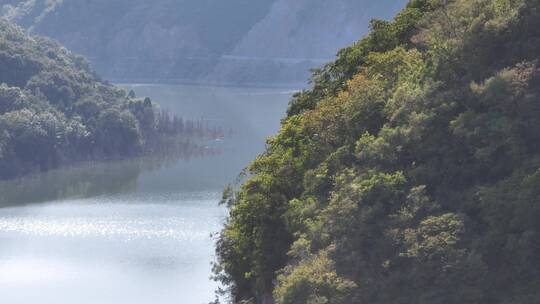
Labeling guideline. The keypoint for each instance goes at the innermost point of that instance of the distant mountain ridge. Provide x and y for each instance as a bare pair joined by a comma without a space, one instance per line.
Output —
296,36
235,42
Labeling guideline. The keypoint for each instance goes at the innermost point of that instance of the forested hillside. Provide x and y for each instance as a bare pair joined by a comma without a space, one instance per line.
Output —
408,173
55,110
234,41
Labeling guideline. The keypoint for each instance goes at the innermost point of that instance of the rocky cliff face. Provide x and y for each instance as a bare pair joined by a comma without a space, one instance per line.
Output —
296,36
236,41
312,28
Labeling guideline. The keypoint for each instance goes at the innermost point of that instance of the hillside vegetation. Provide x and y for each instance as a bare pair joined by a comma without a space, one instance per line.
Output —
54,110
186,40
409,173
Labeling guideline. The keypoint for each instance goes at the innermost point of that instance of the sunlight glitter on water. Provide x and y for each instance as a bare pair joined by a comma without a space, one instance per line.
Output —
87,246
117,218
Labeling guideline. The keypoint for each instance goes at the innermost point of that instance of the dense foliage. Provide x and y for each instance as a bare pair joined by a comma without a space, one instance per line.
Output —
409,173
54,110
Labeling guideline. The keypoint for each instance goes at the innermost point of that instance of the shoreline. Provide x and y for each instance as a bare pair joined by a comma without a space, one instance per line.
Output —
297,86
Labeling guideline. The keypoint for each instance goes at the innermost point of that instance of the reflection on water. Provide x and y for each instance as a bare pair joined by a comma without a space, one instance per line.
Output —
90,179
134,231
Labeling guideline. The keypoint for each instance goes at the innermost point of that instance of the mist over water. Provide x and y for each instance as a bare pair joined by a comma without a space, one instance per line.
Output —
133,231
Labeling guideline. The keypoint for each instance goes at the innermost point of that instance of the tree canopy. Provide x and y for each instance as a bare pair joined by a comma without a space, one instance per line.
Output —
55,110
408,173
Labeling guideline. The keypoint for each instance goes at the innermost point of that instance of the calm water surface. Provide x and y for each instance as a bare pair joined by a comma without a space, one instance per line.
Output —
135,231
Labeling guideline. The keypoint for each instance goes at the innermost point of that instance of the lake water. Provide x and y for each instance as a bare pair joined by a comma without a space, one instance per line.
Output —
134,231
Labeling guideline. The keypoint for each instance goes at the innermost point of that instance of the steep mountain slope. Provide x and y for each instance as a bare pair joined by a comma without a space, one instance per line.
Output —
312,28
296,36
163,39
236,41
408,173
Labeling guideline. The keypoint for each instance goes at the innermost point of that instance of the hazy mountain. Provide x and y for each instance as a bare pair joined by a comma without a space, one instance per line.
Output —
298,35
239,41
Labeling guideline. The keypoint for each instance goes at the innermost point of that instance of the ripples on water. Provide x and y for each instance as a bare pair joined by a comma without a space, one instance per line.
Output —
124,218
148,241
